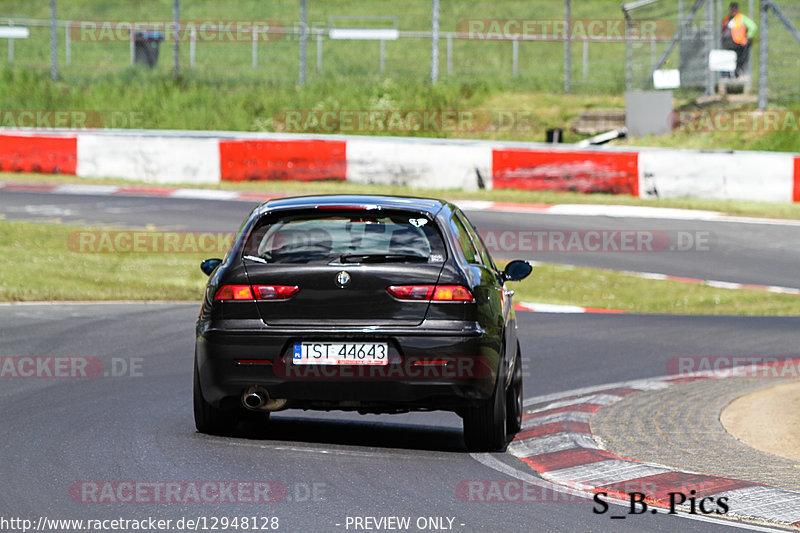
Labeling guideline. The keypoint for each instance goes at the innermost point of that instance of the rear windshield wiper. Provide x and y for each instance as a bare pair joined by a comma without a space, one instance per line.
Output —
381,258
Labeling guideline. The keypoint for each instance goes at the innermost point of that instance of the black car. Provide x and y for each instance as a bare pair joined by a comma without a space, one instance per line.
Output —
375,304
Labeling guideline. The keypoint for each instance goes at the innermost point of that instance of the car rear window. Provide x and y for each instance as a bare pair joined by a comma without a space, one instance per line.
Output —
345,237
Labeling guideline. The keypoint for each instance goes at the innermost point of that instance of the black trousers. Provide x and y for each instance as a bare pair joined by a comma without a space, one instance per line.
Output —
742,53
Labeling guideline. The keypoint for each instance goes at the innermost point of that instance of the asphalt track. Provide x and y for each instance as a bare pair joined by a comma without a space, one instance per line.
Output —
137,427
763,254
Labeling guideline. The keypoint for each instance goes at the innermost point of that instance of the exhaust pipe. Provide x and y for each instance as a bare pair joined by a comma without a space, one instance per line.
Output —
254,400
257,398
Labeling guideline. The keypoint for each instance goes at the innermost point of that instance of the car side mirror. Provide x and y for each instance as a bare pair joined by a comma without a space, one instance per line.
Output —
209,265
517,270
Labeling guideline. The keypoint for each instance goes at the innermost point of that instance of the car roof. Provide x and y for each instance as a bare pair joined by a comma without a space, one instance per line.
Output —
426,205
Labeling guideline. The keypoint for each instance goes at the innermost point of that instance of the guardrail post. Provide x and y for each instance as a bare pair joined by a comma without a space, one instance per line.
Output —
319,51
176,20
763,54
585,60
449,54
67,44
568,47
192,47
710,23
303,27
254,50
434,41
628,56
515,58
53,41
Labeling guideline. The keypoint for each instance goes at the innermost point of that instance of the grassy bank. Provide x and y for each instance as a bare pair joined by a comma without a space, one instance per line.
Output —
57,268
134,98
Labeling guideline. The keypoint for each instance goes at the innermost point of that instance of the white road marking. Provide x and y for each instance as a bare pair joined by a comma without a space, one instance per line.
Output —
552,443
603,473
595,399
88,189
566,416
769,502
495,464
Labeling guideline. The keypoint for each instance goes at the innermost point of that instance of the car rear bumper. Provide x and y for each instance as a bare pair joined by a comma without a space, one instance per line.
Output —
429,367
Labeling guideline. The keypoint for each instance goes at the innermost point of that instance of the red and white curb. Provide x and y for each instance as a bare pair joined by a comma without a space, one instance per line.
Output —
556,442
618,211
717,284
165,192
712,283
556,308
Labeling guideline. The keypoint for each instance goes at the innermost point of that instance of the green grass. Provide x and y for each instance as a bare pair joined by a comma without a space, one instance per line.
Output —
588,287
38,265
224,92
44,263
289,188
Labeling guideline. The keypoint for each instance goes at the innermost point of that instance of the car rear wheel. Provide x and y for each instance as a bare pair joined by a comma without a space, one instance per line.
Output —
514,398
207,418
485,426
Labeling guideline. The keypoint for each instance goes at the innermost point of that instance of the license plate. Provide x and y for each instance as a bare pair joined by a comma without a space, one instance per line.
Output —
341,353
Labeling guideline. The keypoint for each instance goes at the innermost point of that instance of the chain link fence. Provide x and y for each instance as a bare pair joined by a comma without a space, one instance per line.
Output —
542,46
697,32
780,22
589,47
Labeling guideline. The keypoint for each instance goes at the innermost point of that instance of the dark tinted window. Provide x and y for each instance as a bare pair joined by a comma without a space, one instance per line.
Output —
476,239
327,236
464,241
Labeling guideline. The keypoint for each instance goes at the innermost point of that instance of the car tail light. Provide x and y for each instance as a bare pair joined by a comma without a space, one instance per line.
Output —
411,292
436,293
234,292
275,292
452,293
263,292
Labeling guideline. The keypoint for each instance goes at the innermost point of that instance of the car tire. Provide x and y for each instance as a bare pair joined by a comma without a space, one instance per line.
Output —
485,426
207,418
514,398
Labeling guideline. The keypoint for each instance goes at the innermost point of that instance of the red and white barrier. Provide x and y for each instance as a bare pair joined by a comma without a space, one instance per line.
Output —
48,154
584,171
757,176
300,160
212,157
419,163
148,158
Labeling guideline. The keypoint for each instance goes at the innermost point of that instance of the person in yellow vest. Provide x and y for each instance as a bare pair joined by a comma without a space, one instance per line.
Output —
738,31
